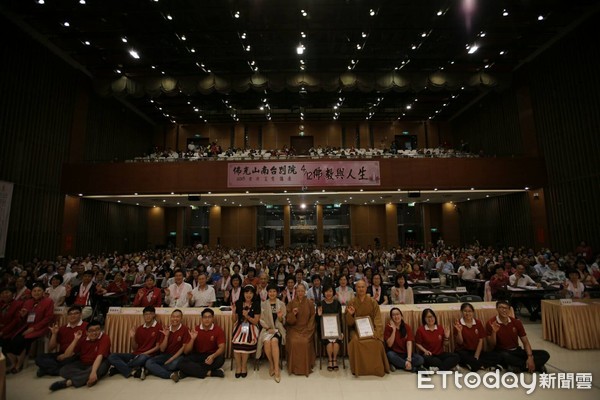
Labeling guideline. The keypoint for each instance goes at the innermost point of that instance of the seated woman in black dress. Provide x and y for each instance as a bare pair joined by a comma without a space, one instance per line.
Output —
329,305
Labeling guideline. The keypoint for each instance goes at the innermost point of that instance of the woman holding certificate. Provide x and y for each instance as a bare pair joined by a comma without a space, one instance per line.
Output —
300,319
330,316
272,317
366,350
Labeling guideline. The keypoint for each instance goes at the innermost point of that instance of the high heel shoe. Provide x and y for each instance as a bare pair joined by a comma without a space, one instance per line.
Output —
277,378
244,374
330,365
237,374
335,365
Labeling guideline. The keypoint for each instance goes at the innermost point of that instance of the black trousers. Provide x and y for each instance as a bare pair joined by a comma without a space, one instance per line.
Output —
518,358
486,359
443,361
194,365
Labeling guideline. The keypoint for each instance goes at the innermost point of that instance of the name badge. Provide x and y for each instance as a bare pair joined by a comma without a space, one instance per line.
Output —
31,318
566,301
245,328
461,289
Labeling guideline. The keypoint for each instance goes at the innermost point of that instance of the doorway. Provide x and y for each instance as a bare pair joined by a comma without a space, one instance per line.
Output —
302,144
406,142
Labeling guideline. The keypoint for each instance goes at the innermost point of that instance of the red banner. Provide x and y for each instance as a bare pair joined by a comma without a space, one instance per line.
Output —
309,174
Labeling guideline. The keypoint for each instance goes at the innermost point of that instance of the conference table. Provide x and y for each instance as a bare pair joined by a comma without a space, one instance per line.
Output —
120,320
574,325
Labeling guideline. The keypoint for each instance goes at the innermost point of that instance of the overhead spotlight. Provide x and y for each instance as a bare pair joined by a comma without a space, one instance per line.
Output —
169,17
414,47
66,24
87,43
505,13
372,12
300,49
82,2
502,52
364,34
303,34
424,34
236,15
358,46
41,2
134,54
540,17
440,13
408,106
482,34
473,49
248,48
192,50
243,35
118,71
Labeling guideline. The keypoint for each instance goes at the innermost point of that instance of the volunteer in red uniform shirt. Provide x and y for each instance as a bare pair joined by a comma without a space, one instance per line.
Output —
468,336
51,363
175,337
149,295
208,346
35,316
145,342
503,336
84,294
9,316
431,340
93,349
399,342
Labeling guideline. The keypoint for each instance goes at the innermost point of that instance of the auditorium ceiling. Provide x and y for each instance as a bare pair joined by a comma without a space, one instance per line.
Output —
307,198
216,61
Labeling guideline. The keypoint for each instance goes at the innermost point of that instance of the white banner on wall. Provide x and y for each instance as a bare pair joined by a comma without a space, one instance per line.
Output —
6,191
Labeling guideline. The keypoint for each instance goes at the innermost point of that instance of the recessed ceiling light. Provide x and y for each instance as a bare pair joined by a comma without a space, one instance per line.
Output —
183,38
137,204
134,54
424,34
440,13
66,24
87,43
505,13
473,48
303,34
236,15
192,50
41,2
364,34
169,17
243,35
414,47
118,201
372,12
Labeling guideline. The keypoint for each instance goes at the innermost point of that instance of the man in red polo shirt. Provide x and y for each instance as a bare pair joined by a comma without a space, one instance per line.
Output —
503,336
93,350
51,363
208,344
175,337
145,342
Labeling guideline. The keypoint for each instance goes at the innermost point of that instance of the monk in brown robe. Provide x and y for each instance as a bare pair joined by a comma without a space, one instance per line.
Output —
300,345
367,355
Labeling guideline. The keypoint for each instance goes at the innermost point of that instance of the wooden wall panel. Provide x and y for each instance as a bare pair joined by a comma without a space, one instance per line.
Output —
366,224
501,220
404,173
238,227
105,227
37,95
565,91
491,126
114,132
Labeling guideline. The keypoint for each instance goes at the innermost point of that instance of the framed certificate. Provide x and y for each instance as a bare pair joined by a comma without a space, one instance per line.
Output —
330,326
364,327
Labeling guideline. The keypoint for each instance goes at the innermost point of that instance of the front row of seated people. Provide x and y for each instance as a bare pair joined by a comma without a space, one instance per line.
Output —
80,351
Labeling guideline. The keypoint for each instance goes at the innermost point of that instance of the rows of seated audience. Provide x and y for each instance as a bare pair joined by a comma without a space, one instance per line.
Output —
277,297
215,151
